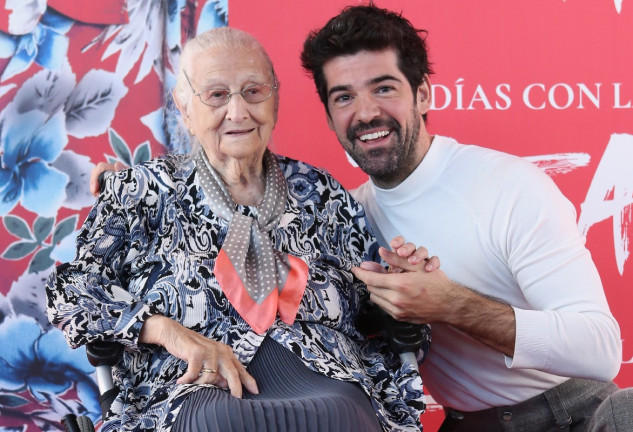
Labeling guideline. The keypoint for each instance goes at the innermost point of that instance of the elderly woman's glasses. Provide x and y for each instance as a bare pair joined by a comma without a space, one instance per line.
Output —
252,94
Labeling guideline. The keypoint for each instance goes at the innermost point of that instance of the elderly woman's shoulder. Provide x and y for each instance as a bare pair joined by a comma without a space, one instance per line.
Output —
168,164
162,172
300,174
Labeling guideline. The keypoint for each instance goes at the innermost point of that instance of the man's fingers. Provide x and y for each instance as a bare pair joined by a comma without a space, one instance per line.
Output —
418,255
407,250
432,263
94,178
396,242
395,260
382,303
372,266
97,170
372,278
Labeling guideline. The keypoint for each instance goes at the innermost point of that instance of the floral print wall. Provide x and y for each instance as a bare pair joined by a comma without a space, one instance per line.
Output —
80,83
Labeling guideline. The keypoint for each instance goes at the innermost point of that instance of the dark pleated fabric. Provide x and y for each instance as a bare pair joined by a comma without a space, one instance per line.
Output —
292,398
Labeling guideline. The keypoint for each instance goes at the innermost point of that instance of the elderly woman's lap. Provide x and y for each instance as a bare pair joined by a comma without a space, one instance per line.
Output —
292,398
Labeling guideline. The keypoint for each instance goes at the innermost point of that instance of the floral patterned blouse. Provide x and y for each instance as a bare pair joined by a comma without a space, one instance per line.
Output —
149,246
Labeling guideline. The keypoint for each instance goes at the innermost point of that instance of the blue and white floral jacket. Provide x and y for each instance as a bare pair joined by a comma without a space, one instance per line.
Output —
149,246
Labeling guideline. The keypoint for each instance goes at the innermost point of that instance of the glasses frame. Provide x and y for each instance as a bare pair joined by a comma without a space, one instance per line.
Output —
241,93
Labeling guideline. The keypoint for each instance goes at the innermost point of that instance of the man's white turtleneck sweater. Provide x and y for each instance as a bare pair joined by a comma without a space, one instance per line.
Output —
501,227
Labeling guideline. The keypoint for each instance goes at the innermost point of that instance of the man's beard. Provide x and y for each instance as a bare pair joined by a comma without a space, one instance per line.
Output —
386,164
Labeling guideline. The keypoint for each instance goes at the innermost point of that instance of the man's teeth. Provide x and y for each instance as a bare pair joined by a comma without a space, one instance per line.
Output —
373,136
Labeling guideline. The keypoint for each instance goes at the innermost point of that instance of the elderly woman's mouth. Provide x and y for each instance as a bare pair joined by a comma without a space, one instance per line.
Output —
240,132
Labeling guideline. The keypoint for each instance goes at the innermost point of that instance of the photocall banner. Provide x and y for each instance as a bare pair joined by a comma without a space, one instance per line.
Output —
548,80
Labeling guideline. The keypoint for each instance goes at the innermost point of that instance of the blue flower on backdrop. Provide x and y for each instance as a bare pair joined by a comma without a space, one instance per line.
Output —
45,45
215,13
43,365
30,143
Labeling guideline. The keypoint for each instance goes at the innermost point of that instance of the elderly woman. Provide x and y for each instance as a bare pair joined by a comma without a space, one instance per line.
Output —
226,275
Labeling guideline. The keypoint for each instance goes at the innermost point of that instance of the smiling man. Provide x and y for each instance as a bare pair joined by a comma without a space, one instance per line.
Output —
523,338
360,86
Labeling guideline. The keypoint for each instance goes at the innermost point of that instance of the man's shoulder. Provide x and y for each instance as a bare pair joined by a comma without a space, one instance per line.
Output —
483,160
362,192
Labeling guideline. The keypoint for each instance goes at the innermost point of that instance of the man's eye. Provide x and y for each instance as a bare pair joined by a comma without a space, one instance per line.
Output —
384,89
342,98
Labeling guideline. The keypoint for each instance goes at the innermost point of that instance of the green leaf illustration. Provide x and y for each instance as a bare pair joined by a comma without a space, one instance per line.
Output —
121,149
18,227
42,227
41,260
19,250
64,228
142,153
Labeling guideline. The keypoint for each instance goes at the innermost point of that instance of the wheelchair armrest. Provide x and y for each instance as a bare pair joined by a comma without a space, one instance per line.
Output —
103,353
404,338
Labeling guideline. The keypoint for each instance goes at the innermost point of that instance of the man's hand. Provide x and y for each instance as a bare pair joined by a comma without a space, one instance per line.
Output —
411,293
97,170
407,292
409,253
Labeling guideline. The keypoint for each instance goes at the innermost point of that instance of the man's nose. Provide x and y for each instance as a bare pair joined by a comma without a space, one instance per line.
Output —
368,108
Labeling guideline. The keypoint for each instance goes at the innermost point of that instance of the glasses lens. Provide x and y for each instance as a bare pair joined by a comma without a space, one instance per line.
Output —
257,93
215,97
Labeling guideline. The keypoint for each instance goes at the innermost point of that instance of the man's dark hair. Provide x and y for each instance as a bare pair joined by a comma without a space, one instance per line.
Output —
366,28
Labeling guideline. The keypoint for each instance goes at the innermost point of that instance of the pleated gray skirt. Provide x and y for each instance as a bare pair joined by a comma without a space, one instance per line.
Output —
292,398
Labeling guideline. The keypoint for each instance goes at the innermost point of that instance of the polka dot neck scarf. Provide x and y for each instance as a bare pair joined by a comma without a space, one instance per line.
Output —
259,281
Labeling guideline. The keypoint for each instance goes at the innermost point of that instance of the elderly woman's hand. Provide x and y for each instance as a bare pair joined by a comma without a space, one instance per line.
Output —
209,361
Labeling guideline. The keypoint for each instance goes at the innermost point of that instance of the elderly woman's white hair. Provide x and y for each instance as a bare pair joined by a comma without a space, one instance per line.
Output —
220,37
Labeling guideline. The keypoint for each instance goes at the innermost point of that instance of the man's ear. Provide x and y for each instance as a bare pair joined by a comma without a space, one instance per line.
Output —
330,123
424,96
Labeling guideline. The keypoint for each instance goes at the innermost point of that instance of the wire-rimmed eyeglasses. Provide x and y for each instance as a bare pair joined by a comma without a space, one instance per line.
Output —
216,97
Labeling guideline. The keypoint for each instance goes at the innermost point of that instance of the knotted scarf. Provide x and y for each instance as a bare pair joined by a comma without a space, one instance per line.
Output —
258,280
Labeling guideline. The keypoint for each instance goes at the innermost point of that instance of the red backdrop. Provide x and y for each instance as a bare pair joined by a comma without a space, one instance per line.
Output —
546,79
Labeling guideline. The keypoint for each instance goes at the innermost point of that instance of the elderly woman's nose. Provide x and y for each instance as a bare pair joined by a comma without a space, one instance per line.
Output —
237,108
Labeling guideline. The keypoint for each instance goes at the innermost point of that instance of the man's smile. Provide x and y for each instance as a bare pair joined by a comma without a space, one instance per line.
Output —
374,135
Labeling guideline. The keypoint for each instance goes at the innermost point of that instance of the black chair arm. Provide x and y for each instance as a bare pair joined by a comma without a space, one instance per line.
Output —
103,353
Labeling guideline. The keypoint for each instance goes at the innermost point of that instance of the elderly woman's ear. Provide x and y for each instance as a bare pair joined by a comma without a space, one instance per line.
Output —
182,109
276,96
